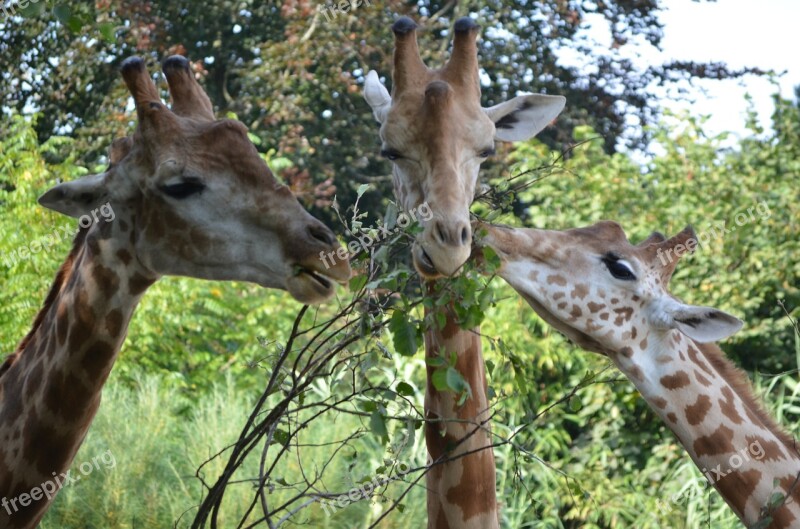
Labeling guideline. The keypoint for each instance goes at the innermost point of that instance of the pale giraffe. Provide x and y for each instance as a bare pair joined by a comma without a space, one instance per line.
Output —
436,134
611,297
191,197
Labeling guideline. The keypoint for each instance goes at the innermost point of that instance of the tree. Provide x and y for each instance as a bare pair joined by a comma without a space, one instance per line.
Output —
293,70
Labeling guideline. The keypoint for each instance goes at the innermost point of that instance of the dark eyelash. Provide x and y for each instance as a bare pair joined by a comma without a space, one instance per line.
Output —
487,152
391,154
619,271
183,189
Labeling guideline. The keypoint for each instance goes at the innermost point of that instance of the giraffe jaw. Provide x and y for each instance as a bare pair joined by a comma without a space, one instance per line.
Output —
424,264
582,340
310,285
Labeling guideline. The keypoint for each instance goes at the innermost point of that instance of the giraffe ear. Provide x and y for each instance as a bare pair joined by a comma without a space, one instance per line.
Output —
377,96
704,324
524,117
78,197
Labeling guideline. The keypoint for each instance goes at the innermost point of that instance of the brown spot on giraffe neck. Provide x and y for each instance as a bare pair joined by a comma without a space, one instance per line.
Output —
659,403
728,406
47,449
595,307
764,450
741,386
68,397
719,442
790,483
98,360
696,413
675,381
114,323
579,291
138,283
124,256
13,403
106,279
556,279
701,379
694,356
623,314
737,487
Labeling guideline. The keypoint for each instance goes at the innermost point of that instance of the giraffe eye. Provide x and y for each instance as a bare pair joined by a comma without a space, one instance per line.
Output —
391,154
618,268
183,189
487,152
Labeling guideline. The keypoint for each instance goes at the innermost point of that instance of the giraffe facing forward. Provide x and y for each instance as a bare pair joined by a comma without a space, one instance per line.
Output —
437,135
611,297
191,196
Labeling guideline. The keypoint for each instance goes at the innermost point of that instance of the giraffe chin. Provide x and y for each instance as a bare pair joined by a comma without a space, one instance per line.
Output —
575,336
310,287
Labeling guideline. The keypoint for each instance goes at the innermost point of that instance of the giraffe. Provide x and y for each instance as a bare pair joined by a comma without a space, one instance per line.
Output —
191,197
436,134
611,297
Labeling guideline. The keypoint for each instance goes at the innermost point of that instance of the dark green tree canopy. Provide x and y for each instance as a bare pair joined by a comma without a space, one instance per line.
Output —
293,70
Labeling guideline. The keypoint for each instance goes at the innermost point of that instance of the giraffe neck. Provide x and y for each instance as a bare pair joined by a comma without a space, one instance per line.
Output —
461,492
50,387
708,404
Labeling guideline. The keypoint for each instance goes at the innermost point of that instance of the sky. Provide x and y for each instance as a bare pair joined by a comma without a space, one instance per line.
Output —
763,34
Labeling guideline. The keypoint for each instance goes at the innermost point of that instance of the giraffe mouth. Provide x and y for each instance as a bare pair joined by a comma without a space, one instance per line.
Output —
425,264
324,281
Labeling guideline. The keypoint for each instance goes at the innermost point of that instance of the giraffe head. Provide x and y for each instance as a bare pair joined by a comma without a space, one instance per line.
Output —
601,291
191,196
436,134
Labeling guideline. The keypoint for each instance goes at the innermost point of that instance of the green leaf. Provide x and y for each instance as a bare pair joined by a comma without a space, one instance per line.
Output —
108,31
32,9
435,361
368,405
404,389
358,282
74,24
362,189
62,13
439,379
280,437
776,499
404,334
378,424
456,381
390,219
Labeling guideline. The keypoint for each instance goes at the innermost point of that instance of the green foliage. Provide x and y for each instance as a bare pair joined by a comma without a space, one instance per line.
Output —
294,74
587,451
159,437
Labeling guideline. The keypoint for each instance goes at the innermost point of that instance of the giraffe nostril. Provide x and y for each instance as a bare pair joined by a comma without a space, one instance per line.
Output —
464,235
440,236
322,234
